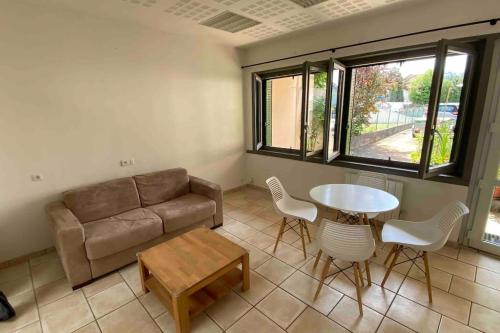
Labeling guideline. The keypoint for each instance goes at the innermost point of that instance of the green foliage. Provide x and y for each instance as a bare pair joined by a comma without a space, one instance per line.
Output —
441,147
420,88
317,122
320,80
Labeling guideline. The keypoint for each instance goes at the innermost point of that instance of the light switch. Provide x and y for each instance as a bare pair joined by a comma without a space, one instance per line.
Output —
36,178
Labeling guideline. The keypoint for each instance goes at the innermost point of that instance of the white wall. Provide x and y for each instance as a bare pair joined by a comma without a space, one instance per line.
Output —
421,198
77,94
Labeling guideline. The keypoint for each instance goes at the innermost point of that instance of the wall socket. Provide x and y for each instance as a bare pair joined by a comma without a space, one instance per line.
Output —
125,163
36,178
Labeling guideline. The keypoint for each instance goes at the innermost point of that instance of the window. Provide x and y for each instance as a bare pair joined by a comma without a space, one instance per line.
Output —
404,110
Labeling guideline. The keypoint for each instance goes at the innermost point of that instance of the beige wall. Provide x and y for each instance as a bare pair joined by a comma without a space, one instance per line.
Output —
78,94
421,198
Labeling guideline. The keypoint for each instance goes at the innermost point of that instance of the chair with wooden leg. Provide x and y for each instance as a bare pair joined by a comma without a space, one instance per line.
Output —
346,242
421,238
295,213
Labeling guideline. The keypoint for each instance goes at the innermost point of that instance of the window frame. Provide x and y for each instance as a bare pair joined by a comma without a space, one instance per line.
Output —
477,73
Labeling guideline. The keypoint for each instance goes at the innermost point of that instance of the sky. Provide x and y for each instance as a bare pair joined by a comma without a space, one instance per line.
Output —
454,64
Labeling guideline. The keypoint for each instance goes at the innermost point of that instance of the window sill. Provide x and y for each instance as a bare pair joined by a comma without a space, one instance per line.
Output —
339,162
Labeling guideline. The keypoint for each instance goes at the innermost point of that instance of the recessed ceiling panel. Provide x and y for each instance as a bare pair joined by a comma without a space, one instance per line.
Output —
265,9
308,3
230,22
193,10
299,21
262,31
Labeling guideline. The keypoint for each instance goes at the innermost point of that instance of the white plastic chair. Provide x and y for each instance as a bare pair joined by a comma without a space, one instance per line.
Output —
292,209
421,237
351,243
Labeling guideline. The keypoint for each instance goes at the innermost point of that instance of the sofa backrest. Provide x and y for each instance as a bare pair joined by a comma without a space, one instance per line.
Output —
160,186
102,200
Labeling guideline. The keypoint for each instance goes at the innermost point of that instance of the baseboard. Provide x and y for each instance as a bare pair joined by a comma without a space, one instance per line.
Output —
26,257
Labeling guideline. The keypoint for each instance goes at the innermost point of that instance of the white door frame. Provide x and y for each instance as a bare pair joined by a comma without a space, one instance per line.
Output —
484,176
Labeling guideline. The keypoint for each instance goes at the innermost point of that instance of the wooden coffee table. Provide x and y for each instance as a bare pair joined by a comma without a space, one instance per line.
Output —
192,271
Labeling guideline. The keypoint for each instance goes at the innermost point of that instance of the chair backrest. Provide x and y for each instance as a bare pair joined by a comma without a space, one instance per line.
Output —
447,217
371,179
345,241
277,190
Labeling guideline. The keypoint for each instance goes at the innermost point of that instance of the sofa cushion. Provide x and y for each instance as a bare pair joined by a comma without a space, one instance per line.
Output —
120,232
183,211
102,200
162,186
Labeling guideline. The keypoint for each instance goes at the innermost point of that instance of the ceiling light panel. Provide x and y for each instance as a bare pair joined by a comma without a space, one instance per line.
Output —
265,9
307,3
230,22
144,3
193,10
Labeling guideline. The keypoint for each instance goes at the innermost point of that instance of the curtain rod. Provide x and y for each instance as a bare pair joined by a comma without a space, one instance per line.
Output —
492,21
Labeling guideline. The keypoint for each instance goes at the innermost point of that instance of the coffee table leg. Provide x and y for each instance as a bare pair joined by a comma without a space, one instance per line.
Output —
245,266
144,273
180,308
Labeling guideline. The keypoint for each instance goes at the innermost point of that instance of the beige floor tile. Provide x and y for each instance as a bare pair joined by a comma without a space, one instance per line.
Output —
482,260
131,275
288,237
487,278
444,303
243,215
129,318
275,270
66,315
414,315
261,240
110,299
401,268
43,258
227,235
448,251
484,319
14,273
16,286
346,313
390,326
269,213
53,291
451,266
26,312
259,288
254,321
101,284
312,321
311,247
452,326
281,307
304,287
240,230
90,328
309,269
475,292
201,323
227,220
375,297
288,254
226,311
259,223
393,282
47,271
439,279
227,207
257,256
31,328
152,304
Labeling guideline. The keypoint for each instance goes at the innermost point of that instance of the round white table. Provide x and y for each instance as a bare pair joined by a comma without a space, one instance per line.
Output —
354,198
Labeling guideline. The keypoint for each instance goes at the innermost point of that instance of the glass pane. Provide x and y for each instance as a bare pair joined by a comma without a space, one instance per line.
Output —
492,230
283,109
333,116
388,109
449,106
316,110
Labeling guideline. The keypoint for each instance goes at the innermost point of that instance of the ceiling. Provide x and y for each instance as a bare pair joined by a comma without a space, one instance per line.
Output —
247,21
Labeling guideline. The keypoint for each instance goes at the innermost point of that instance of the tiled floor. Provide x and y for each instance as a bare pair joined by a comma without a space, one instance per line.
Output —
466,291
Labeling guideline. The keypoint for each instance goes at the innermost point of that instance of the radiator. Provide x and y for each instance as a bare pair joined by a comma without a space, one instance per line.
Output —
393,187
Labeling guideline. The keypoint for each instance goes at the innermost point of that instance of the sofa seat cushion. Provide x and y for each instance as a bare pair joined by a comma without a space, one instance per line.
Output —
184,211
120,232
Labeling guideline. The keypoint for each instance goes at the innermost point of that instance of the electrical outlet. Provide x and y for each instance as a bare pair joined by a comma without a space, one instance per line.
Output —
124,163
36,178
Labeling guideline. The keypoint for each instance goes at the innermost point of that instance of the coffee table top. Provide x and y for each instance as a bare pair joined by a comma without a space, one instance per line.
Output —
184,261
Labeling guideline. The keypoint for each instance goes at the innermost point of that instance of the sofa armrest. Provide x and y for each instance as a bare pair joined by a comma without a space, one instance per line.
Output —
69,239
210,190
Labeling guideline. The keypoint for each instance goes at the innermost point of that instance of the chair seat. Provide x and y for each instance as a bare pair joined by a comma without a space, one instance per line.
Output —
412,234
292,208
184,210
117,233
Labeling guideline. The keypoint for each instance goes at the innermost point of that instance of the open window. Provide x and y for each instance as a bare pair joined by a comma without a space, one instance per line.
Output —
448,100
333,114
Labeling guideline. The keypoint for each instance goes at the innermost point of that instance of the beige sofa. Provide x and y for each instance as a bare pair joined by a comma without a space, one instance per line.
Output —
101,227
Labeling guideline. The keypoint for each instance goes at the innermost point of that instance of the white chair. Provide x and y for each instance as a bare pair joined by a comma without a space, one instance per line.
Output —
346,242
421,237
291,210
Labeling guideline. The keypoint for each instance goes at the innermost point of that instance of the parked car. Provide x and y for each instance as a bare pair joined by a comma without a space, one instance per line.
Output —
446,112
